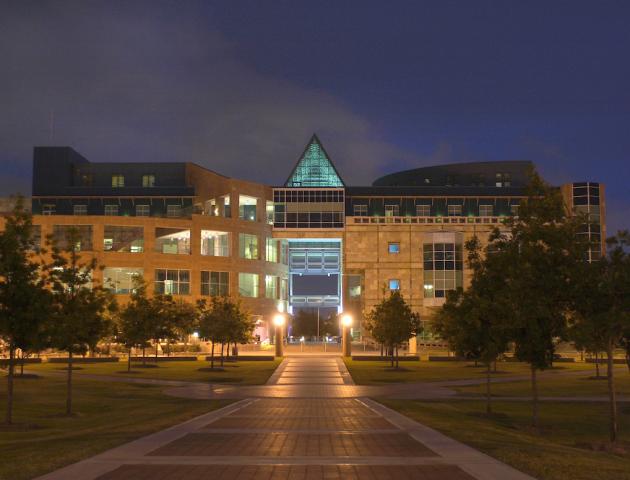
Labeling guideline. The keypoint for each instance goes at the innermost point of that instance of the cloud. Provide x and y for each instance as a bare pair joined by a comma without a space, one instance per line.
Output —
127,83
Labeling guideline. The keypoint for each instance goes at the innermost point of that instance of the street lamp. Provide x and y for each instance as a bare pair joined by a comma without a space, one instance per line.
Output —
279,321
346,323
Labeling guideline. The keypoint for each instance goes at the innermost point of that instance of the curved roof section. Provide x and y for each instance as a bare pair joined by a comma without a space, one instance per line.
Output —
512,173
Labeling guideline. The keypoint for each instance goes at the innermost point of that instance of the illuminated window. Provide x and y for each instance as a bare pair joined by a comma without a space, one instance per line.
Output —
486,210
248,246
143,210
314,169
173,211
123,239
148,180
454,210
247,208
111,210
248,284
62,237
394,284
79,210
443,268
172,240
392,210
271,250
423,210
48,209
393,247
216,244
271,286
121,280
360,210
118,181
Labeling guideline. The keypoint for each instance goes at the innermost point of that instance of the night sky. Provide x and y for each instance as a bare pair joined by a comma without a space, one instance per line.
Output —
240,86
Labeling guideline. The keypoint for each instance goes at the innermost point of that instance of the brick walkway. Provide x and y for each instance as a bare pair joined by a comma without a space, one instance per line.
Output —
312,429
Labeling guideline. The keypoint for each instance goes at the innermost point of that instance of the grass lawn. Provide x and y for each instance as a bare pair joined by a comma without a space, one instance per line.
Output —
558,386
242,372
564,450
375,373
107,415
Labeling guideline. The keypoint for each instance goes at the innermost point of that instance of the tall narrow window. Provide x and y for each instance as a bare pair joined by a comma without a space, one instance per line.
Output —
247,208
118,181
248,246
392,210
248,284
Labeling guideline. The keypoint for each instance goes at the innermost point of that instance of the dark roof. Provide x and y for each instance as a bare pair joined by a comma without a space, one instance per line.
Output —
474,174
434,191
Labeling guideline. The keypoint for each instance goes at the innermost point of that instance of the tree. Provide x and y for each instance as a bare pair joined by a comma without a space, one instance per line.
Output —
136,320
474,322
24,299
537,257
175,319
602,308
223,321
79,308
392,323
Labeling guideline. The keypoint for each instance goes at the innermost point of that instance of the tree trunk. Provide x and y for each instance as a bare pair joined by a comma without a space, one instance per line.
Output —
212,357
9,414
222,347
157,343
69,385
596,365
22,360
488,405
534,398
144,358
495,366
611,392
397,364
129,361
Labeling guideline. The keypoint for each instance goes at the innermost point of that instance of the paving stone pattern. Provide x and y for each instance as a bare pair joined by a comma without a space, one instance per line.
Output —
313,429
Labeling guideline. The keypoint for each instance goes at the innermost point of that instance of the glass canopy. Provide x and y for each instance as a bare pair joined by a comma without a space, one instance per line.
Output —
314,168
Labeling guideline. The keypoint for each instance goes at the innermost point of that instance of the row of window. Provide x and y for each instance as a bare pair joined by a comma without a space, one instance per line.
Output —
212,283
425,210
113,210
118,180
128,239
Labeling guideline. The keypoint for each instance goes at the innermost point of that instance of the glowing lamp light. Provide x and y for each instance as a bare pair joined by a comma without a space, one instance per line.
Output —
278,320
346,320
196,334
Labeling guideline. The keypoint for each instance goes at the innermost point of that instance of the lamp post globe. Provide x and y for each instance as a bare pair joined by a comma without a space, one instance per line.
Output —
279,321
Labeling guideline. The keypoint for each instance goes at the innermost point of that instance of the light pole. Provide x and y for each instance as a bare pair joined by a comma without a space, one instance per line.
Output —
346,342
278,321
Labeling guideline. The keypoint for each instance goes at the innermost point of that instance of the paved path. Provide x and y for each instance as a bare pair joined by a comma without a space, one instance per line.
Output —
314,426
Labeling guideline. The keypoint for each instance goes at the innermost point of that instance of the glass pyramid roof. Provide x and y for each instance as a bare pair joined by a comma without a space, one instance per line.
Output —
314,169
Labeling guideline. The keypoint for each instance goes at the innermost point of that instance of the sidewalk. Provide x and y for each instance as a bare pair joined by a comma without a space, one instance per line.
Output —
315,427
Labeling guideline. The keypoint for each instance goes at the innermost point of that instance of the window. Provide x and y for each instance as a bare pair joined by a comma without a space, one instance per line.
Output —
172,240
227,209
360,210
79,209
423,210
271,250
354,287
269,211
248,284
486,210
271,287
514,210
247,208
48,209
443,268
83,240
123,239
111,210
121,280
394,284
148,180
143,210
392,210
173,211
215,283
215,244
393,247
172,282
118,181
454,210
248,246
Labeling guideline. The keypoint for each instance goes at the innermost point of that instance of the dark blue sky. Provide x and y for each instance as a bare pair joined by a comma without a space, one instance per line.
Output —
240,86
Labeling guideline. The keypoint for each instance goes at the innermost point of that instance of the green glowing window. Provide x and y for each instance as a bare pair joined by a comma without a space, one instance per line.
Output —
314,169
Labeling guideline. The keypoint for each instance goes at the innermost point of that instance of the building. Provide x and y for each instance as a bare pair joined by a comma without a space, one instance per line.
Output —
312,242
